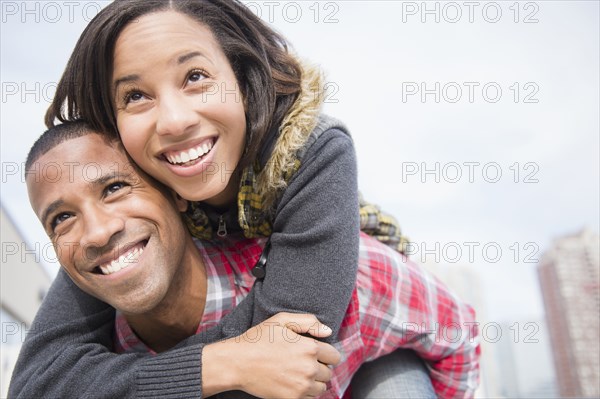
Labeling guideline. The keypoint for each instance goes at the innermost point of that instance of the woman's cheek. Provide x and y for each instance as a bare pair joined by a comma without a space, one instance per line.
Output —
134,140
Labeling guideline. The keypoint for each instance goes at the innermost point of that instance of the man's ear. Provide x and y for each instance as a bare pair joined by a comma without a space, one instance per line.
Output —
180,203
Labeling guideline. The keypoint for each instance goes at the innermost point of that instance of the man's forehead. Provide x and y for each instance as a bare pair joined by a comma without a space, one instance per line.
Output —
75,170
90,156
74,167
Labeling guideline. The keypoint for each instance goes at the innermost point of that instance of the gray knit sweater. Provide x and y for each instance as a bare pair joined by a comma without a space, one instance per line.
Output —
311,268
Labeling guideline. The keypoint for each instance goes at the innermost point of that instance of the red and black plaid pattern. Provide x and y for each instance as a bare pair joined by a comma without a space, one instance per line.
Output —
395,304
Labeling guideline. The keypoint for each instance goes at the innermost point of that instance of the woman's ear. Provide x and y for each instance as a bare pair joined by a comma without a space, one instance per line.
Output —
180,203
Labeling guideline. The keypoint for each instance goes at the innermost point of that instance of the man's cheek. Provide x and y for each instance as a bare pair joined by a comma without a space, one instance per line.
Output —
67,252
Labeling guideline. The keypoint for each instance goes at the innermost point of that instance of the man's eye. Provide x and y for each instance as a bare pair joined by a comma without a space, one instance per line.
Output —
113,187
58,219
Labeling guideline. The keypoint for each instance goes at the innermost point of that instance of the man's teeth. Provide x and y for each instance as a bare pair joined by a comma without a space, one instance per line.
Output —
123,261
189,155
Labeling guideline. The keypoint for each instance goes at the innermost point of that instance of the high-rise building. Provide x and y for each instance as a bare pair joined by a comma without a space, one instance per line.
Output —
569,275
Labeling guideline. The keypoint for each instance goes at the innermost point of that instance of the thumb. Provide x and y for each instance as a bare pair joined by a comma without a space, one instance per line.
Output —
305,324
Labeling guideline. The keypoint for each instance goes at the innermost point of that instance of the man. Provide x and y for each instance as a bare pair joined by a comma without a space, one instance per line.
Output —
119,237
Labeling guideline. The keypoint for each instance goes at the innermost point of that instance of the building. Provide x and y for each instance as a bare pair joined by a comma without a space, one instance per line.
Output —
24,283
569,274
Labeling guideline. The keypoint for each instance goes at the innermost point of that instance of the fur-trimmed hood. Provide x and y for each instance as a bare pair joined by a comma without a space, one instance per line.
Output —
294,131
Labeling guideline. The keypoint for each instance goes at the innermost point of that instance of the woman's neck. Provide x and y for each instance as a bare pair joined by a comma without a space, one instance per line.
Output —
228,197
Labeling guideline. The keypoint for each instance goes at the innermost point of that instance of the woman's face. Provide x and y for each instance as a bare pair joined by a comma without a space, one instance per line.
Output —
179,109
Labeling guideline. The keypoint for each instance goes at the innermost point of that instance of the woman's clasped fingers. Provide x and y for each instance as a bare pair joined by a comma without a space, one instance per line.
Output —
323,374
318,389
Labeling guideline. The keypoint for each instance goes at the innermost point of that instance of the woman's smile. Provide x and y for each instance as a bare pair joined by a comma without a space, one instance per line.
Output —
195,161
189,154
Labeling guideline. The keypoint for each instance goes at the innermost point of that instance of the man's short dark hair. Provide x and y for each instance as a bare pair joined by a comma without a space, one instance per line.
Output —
58,135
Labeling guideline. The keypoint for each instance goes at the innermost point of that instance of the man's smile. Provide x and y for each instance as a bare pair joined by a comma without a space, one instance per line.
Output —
122,259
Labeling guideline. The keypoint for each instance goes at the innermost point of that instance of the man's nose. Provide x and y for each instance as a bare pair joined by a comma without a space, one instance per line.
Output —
100,226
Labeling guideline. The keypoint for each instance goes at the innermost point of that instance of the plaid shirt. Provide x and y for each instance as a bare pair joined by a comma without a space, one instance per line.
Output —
395,304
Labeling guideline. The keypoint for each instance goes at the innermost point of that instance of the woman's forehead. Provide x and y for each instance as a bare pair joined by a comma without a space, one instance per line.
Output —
165,30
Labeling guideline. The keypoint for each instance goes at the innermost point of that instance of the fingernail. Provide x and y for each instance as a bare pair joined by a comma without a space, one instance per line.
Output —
326,329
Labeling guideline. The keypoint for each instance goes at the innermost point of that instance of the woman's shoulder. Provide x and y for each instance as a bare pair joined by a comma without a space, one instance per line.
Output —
328,131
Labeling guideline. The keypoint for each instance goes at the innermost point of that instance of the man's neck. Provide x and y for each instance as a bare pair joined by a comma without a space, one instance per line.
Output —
180,313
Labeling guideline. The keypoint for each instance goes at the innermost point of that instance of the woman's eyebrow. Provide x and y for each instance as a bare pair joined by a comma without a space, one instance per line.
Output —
183,58
180,60
125,79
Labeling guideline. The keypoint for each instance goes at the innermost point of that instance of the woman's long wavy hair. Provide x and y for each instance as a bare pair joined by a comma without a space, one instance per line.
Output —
268,75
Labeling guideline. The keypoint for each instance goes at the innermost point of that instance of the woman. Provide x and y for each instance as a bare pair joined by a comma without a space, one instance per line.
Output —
206,99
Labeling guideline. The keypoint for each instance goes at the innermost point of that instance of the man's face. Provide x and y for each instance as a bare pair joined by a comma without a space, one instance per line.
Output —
115,233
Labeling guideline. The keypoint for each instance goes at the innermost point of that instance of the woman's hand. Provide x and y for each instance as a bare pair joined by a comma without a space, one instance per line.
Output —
271,360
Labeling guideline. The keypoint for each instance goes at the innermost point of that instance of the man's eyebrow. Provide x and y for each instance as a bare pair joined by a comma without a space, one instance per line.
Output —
102,180
49,209
98,182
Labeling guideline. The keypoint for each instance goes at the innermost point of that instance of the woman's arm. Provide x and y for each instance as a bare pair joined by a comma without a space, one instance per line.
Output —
313,258
67,353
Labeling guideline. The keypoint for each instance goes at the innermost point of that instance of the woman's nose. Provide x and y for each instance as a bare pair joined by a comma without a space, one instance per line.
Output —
176,115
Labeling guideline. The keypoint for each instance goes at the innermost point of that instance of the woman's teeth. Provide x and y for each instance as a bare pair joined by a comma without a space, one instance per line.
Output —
123,261
181,157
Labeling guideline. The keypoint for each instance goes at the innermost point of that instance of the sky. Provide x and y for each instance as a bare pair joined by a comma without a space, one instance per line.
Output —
476,125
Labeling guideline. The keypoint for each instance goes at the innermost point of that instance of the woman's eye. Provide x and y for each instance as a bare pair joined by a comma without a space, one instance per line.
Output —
133,96
58,219
196,76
